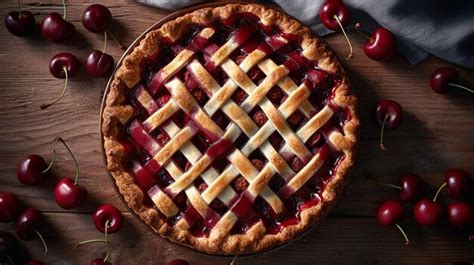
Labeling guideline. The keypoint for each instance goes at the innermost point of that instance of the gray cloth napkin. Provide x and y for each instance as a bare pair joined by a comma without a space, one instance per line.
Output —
442,28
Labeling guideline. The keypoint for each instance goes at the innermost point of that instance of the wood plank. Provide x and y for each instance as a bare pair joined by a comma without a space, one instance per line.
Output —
344,240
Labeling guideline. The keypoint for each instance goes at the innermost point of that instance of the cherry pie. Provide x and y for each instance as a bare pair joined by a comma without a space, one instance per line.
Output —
230,129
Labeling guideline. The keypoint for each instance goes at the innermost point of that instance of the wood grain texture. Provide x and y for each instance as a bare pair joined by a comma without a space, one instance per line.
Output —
436,133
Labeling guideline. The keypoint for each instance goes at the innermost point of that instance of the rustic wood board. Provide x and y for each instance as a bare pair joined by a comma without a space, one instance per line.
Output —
436,133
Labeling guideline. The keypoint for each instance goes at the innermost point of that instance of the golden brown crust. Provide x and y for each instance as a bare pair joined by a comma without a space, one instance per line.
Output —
117,112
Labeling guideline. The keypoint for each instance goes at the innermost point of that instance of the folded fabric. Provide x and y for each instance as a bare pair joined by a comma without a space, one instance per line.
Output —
442,28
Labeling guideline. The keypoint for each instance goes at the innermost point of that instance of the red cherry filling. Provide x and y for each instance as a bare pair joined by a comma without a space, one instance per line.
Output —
152,178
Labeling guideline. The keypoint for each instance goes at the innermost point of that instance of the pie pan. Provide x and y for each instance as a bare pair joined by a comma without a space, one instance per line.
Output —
130,49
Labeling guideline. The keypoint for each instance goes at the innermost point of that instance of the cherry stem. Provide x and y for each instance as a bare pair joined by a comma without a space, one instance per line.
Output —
107,240
44,242
385,184
73,158
357,28
51,163
44,106
234,259
105,41
382,146
351,52
439,190
10,259
89,241
407,242
19,13
462,87
64,9
116,40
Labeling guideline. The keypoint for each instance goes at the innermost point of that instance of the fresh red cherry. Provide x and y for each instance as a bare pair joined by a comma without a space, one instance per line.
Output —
8,245
62,65
34,262
380,45
32,169
99,64
69,194
334,15
389,115
178,262
460,214
20,23
108,220
96,18
27,226
427,212
99,261
56,29
108,216
389,213
10,207
409,186
444,77
458,183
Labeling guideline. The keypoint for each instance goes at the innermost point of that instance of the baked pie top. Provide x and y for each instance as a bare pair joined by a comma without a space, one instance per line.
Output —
230,129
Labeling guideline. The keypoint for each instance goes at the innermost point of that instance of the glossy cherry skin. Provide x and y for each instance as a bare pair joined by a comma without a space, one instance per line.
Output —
27,223
381,46
108,212
427,212
99,261
61,60
440,78
20,24
332,8
34,262
392,110
29,171
178,262
389,212
10,207
96,18
410,187
458,183
99,64
460,214
56,29
68,195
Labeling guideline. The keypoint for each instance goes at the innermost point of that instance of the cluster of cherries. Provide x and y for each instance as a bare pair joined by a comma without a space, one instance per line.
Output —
429,212
27,228
107,220
33,171
56,28
389,112
381,45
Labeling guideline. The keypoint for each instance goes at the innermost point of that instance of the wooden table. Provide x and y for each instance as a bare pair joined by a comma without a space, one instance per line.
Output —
437,132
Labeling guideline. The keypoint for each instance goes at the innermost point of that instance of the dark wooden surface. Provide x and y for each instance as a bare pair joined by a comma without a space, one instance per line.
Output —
436,133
